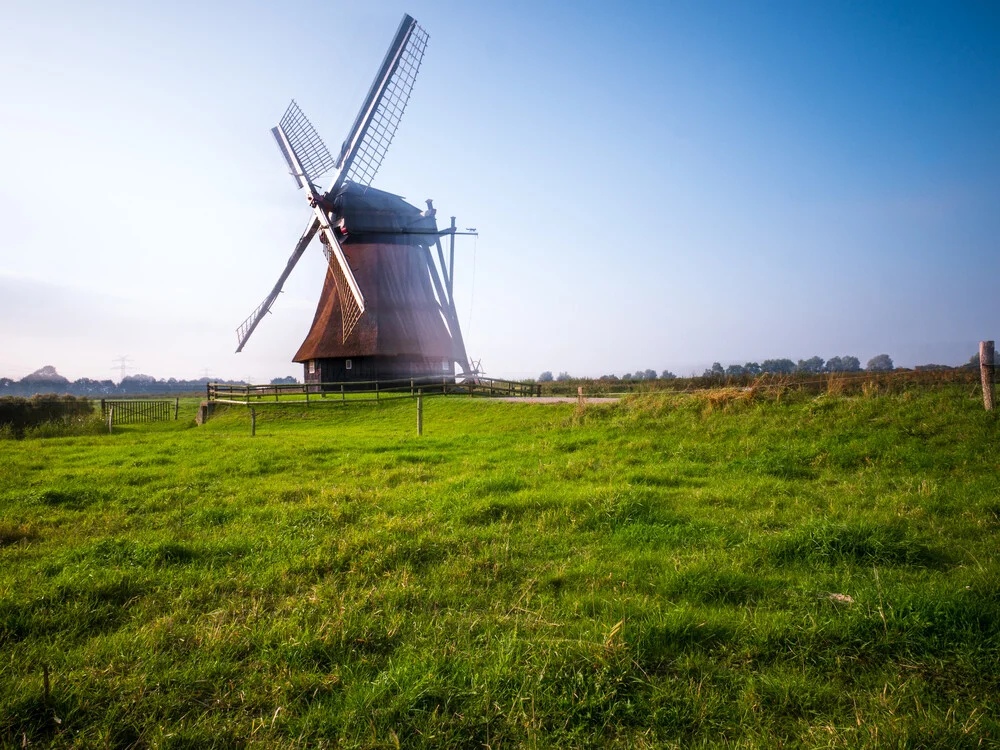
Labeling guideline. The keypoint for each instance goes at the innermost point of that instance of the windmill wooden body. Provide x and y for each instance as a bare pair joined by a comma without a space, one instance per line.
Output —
386,310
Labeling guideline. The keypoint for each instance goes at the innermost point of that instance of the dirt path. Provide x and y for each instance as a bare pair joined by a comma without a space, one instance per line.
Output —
557,399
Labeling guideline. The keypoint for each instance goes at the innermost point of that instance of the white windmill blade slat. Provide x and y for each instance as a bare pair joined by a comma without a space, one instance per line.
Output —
250,324
304,151
376,123
352,301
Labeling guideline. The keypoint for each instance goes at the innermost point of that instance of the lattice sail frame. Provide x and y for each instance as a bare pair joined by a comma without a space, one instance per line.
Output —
362,163
309,150
350,311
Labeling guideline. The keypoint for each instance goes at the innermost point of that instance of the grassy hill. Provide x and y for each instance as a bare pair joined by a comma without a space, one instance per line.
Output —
726,568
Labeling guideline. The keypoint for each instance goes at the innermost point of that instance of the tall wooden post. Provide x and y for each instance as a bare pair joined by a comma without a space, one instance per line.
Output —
111,418
420,412
253,422
986,368
177,407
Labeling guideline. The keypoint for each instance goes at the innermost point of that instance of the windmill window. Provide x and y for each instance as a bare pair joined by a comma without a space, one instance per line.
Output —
348,364
312,366
444,365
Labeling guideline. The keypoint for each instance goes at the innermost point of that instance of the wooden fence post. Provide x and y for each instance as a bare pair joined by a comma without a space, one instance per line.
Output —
177,407
986,368
111,418
579,396
420,412
253,422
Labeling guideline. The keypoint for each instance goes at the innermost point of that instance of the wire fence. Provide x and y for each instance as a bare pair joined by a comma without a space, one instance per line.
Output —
357,391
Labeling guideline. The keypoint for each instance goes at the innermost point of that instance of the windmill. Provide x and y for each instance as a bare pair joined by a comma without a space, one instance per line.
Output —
386,310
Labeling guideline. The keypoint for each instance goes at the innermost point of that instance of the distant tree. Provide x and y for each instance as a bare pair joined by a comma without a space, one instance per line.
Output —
974,359
734,371
715,371
777,366
846,363
648,374
545,377
611,377
879,363
88,387
751,368
47,374
627,376
812,365
667,375
287,380
562,377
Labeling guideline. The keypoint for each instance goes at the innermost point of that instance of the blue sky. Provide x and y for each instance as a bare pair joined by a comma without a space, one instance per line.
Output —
656,185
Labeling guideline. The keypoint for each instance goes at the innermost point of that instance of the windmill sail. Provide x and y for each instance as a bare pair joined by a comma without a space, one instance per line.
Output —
304,151
375,126
247,326
352,302
312,149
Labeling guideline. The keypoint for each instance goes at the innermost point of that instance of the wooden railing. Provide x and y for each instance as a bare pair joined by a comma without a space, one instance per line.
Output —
366,390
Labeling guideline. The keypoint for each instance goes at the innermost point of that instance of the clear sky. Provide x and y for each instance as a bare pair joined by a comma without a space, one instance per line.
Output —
656,185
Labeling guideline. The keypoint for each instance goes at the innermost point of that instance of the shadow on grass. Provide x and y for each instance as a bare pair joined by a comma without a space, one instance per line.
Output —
12,533
860,542
81,610
710,586
31,719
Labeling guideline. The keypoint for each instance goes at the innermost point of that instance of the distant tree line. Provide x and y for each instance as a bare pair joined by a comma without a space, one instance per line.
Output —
546,377
132,385
812,366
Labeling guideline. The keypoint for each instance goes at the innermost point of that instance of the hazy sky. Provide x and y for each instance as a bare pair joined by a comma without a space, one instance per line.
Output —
656,185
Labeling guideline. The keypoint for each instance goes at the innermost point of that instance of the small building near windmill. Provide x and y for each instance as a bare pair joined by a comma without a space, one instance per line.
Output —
402,333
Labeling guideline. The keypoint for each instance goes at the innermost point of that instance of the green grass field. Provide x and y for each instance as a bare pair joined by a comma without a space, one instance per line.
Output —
710,570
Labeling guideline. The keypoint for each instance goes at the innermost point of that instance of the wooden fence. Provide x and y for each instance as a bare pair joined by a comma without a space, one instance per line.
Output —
139,410
364,390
